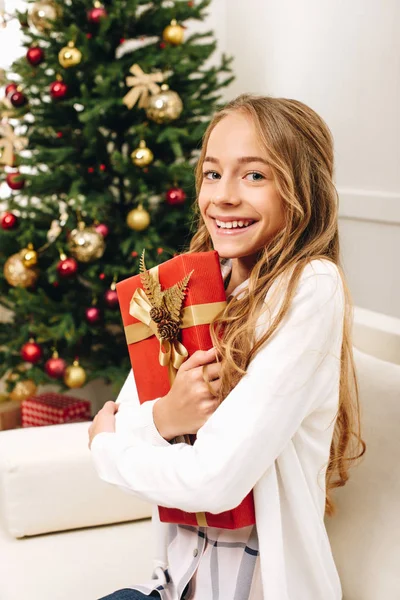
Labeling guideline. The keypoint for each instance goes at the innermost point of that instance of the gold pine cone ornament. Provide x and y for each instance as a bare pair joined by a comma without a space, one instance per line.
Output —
166,304
165,106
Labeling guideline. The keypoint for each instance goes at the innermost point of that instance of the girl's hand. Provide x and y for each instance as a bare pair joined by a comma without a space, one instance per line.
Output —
191,399
103,421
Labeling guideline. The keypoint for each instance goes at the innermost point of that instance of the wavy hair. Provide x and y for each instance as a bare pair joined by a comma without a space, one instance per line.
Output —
300,150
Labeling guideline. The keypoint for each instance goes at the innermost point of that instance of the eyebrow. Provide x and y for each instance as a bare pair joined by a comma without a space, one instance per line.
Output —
242,160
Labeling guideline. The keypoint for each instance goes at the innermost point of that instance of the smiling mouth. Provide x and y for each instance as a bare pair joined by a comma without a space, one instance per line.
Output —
238,224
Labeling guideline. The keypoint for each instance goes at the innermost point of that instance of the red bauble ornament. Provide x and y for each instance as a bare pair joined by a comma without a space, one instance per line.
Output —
15,180
55,367
175,196
31,352
18,99
93,315
111,298
10,89
35,56
95,15
103,229
9,221
58,90
67,267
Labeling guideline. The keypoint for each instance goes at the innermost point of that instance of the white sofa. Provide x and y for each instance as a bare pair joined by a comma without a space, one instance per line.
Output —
65,535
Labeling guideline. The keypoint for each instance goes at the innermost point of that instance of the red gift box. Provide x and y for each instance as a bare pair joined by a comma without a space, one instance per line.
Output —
155,359
53,409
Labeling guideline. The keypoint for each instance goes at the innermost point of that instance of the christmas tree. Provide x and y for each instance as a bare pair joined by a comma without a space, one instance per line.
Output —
101,123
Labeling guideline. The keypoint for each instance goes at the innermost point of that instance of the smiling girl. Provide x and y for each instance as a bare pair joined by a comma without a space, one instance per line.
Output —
274,404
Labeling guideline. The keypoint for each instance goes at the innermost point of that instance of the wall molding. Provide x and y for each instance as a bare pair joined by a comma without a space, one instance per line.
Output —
367,205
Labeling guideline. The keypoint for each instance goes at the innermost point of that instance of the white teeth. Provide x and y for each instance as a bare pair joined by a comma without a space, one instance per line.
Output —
232,224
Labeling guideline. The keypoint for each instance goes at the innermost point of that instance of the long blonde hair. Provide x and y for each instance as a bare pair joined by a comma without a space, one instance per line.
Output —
300,152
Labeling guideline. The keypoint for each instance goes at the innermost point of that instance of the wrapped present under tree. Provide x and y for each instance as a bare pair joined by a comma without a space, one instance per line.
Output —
53,409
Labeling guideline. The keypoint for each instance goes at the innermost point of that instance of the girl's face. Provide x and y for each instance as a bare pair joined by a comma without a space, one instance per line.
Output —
238,198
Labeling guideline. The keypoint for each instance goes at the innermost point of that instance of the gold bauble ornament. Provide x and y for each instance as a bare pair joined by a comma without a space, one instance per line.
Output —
30,257
69,56
17,273
23,390
41,13
142,156
138,219
75,375
173,33
85,243
165,106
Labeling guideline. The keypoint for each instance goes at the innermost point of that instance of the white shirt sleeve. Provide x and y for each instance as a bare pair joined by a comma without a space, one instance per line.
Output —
288,378
135,420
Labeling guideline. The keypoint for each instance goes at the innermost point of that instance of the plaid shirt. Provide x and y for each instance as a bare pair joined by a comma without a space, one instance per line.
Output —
216,564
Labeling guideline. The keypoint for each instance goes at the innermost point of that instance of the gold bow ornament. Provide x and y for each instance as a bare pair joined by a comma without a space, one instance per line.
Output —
9,142
141,85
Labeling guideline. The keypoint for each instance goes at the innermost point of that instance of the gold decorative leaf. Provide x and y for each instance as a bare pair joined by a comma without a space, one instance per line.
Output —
174,297
151,286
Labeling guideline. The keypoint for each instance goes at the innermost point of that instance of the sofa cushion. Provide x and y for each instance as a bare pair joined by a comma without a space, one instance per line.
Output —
365,533
83,564
48,483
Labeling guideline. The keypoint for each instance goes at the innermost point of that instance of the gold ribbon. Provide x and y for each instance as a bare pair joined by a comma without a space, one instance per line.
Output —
141,84
172,354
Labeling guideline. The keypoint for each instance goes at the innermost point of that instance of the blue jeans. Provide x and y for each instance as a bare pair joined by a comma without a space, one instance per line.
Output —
127,594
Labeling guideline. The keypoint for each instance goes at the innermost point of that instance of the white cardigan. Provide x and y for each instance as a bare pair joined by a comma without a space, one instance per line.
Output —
271,434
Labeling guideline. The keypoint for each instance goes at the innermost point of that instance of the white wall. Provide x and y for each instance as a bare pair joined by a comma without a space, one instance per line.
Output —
343,59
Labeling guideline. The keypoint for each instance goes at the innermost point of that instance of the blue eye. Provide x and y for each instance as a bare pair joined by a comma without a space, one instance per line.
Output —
258,176
211,173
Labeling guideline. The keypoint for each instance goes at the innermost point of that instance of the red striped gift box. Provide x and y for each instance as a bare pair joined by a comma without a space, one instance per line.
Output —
53,409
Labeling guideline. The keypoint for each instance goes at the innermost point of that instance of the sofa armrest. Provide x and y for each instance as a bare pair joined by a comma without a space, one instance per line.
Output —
48,483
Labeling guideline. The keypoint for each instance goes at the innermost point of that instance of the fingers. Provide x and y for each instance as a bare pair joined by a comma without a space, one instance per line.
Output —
199,358
110,407
211,371
207,380
215,386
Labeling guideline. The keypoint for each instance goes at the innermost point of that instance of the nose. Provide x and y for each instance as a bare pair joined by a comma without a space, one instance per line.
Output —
226,193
